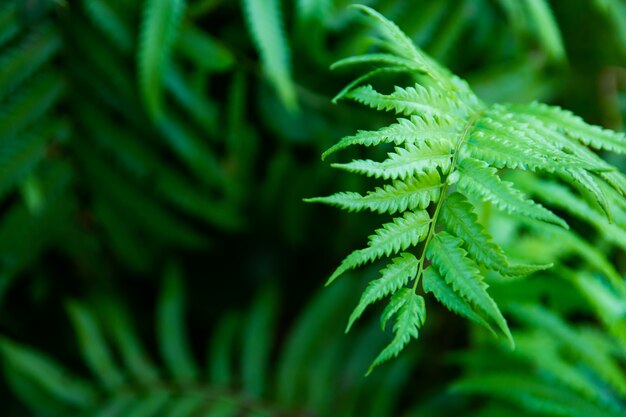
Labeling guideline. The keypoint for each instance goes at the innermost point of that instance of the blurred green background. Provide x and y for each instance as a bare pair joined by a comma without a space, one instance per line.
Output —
153,160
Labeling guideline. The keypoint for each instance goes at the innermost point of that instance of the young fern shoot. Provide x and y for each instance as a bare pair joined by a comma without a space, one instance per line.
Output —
449,148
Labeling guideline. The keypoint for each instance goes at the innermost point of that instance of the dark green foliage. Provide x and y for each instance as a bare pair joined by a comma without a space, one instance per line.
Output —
157,258
243,371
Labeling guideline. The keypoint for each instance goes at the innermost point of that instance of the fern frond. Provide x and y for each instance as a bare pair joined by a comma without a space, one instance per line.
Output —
158,32
132,352
501,151
402,233
22,60
203,50
95,350
415,192
416,129
550,138
379,58
258,344
47,374
264,21
106,19
450,131
396,40
547,28
371,74
477,178
175,348
590,185
31,103
410,313
416,100
574,127
531,137
309,10
462,274
458,216
561,197
398,43
615,179
20,154
203,111
460,219
395,276
404,162
433,283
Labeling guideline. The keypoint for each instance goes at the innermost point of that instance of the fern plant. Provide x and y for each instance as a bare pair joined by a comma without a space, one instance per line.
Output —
449,150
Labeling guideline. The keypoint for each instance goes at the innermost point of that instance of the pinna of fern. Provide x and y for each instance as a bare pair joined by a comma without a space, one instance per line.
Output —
448,149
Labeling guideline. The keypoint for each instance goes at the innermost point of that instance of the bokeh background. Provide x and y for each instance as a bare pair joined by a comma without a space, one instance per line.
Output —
154,156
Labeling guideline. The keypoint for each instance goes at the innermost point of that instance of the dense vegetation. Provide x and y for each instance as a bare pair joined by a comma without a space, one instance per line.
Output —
158,258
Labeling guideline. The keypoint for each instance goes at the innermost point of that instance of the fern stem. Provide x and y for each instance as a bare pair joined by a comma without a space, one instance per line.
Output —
444,189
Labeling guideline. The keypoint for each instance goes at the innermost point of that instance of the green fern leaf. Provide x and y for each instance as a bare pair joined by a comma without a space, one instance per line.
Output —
547,28
501,151
21,154
462,274
478,178
417,129
402,233
395,276
377,58
258,344
437,286
128,343
309,10
394,40
397,41
105,17
416,100
22,60
561,197
159,29
264,21
373,73
547,138
615,179
574,127
410,313
94,348
203,50
589,184
460,219
415,192
404,162
175,349
47,374
31,103
530,136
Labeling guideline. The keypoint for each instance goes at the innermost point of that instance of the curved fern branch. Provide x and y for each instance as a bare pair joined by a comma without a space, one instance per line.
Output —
449,148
